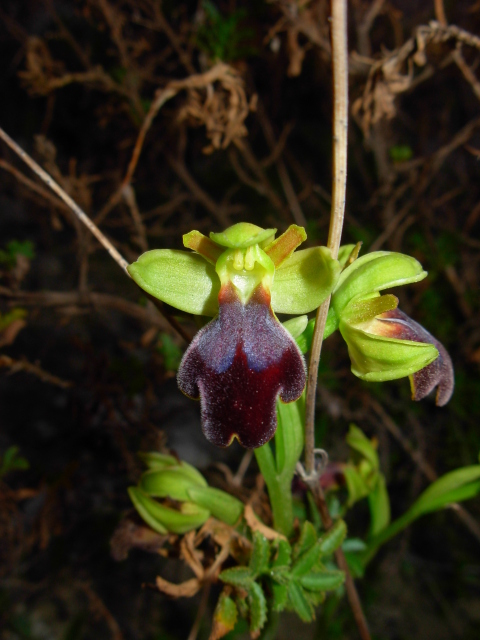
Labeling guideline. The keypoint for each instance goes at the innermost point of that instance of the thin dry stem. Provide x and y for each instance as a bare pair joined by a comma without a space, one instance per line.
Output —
72,205
340,127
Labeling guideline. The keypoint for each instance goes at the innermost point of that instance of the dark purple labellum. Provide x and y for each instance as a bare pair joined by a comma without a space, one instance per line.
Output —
237,365
438,373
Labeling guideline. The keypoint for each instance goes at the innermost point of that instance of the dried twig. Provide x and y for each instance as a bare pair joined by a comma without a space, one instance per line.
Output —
73,206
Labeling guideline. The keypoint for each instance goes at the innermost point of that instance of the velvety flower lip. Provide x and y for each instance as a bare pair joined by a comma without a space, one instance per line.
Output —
396,324
238,365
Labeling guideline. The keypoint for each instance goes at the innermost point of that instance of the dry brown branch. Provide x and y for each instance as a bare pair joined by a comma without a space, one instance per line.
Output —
397,71
48,180
16,366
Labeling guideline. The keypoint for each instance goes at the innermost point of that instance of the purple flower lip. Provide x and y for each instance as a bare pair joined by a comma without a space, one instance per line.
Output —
238,365
439,373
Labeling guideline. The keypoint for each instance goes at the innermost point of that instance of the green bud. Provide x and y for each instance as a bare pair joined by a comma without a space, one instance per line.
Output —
167,483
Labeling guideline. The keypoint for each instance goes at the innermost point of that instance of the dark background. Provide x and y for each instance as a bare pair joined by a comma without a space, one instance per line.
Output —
87,378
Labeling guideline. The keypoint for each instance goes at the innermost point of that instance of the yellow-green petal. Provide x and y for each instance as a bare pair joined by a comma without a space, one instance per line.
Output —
304,281
183,280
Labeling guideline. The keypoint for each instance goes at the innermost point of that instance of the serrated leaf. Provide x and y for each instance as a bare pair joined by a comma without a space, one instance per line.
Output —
280,575
258,606
224,618
283,553
333,538
315,597
260,554
307,560
308,537
237,577
322,581
299,603
279,597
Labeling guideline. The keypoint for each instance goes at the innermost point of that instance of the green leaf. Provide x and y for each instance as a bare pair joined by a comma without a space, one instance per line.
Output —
359,442
279,597
258,606
375,272
307,560
237,576
308,537
156,460
322,581
137,498
164,519
379,504
356,485
12,461
261,550
457,485
280,574
333,538
183,280
304,281
225,615
299,602
172,483
221,505
289,438
283,554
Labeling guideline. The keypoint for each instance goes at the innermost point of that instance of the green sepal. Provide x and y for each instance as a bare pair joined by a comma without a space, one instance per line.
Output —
260,554
304,281
183,280
171,483
221,505
163,519
374,272
299,602
258,606
308,537
333,538
242,235
237,577
376,358
356,485
322,581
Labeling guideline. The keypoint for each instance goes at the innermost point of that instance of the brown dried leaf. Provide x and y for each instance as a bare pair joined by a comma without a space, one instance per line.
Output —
255,525
185,589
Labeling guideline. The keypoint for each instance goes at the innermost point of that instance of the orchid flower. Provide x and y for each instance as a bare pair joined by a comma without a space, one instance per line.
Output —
243,360
383,342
